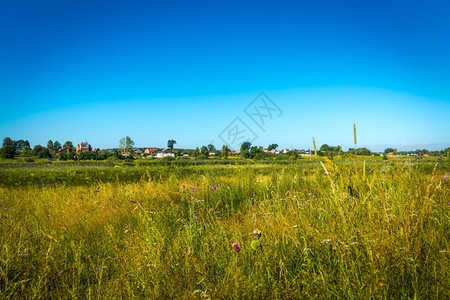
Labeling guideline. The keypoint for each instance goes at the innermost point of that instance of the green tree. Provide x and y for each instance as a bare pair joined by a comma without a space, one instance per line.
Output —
50,145
56,146
211,148
273,147
224,152
195,153
246,146
170,143
256,152
9,148
68,144
41,152
204,151
126,145
20,144
388,150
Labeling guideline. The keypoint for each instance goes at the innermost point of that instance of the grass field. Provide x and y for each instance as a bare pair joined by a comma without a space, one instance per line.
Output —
351,229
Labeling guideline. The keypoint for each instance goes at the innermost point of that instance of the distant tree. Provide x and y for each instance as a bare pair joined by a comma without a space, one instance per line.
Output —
256,152
246,146
389,150
26,151
9,148
196,152
56,146
364,151
170,143
224,152
9,142
273,147
63,156
20,144
211,148
50,145
293,154
68,144
41,152
204,151
245,153
126,145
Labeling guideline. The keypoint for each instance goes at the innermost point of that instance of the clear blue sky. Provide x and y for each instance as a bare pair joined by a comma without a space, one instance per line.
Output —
159,70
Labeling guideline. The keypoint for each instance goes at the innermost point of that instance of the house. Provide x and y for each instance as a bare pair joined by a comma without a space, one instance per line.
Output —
165,153
84,147
63,150
137,151
150,150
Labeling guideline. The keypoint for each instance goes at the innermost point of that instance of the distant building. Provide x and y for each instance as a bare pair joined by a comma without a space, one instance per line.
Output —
137,151
84,147
165,153
63,150
150,150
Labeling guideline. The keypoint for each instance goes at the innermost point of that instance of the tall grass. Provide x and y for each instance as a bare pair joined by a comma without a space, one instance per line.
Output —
342,231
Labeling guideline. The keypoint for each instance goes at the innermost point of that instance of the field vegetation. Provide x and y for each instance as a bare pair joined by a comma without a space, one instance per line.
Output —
348,229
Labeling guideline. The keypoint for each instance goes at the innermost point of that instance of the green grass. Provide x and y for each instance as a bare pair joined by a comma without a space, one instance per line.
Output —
367,229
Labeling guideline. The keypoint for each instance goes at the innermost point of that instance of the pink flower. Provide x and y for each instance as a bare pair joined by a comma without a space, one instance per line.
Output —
445,176
195,215
214,187
126,230
236,247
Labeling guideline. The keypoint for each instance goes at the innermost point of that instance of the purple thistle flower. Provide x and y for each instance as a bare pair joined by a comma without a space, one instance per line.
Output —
445,176
60,272
192,190
197,183
195,215
214,187
5,207
183,186
326,173
236,247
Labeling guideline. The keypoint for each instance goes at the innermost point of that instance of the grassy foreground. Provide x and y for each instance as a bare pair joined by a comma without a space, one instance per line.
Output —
346,231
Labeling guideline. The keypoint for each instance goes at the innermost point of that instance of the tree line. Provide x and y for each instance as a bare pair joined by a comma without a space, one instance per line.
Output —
12,148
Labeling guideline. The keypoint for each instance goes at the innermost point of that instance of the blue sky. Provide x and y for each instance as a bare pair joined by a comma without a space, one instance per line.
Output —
159,70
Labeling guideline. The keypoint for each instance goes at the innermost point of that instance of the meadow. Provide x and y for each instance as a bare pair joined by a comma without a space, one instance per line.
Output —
351,229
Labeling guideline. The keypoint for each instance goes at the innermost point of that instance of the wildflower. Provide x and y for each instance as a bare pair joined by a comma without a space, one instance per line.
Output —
195,215
295,226
214,187
183,186
326,241
126,230
257,233
60,272
197,184
236,247
445,176
326,173
5,207
97,269
192,190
